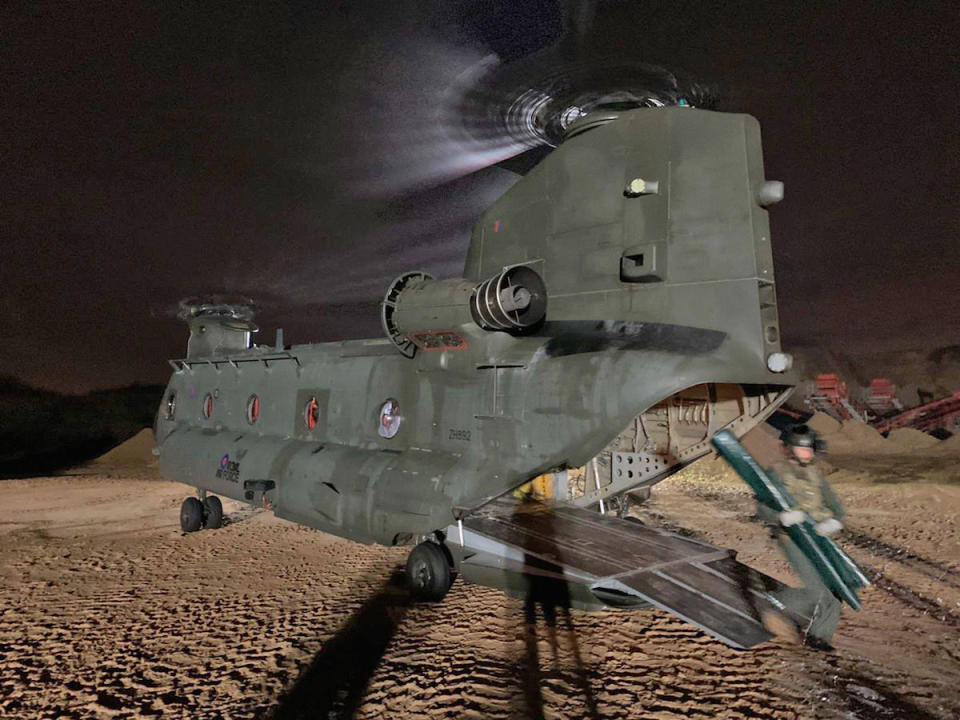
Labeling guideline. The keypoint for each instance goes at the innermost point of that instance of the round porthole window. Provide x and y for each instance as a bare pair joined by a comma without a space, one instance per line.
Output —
311,413
207,407
253,409
390,419
171,407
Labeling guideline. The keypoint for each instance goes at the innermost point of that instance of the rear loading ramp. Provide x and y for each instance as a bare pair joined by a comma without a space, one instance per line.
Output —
699,583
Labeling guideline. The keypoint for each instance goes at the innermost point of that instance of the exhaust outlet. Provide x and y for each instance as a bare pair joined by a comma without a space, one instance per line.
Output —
420,312
513,300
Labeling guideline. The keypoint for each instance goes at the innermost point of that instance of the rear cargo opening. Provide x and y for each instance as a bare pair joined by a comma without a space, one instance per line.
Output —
665,438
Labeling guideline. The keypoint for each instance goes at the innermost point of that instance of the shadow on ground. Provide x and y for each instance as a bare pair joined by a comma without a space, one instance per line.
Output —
546,615
334,683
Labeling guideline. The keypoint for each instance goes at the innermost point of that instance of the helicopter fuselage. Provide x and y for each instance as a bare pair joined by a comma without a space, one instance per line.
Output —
651,237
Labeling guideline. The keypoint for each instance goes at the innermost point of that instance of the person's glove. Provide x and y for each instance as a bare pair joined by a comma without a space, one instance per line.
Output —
789,518
828,527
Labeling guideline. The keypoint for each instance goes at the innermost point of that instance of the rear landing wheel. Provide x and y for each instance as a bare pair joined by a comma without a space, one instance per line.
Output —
213,518
428,572
191,515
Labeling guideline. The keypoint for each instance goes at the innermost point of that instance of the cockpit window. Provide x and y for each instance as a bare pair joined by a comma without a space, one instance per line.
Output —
171,406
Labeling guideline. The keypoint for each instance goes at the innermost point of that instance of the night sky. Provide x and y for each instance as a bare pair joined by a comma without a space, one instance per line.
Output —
299,153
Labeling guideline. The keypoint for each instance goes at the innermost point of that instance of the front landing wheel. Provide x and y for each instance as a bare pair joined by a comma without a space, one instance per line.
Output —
428,572
191,515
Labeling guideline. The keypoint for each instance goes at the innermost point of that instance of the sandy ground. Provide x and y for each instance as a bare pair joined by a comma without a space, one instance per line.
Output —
106,610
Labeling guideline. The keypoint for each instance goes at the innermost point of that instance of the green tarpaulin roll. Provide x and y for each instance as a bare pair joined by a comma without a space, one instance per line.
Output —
837,570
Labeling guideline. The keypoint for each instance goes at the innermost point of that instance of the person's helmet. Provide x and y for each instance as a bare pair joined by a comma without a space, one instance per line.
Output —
802,436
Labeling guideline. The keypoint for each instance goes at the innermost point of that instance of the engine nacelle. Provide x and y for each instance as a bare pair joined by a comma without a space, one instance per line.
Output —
419,311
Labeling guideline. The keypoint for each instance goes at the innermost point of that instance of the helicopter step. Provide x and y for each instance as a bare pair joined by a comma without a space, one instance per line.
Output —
618,563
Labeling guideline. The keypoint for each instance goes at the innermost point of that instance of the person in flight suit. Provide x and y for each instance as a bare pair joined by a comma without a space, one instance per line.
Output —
816,500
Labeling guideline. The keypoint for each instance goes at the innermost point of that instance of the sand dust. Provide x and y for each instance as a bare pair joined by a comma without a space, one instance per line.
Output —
106,610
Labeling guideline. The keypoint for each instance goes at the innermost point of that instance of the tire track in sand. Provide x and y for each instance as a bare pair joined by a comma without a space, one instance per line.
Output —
224,623
230,623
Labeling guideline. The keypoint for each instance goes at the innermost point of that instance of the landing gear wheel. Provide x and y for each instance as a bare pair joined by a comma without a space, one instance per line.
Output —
191,515
428,572
213,517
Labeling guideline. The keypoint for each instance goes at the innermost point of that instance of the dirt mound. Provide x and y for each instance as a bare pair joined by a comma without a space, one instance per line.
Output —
950,445
909,439
855,437
823,423
763,442
135,452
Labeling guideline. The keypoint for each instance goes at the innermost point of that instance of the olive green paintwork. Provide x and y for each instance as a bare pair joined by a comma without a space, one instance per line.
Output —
647,295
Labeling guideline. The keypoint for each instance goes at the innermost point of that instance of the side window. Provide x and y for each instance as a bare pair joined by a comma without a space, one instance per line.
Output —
389,420
311,413
253,409
207,408
312,406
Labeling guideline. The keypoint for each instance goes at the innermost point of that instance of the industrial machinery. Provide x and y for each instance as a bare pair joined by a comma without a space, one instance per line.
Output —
832,397
882,408
941,415
881,398
616,310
